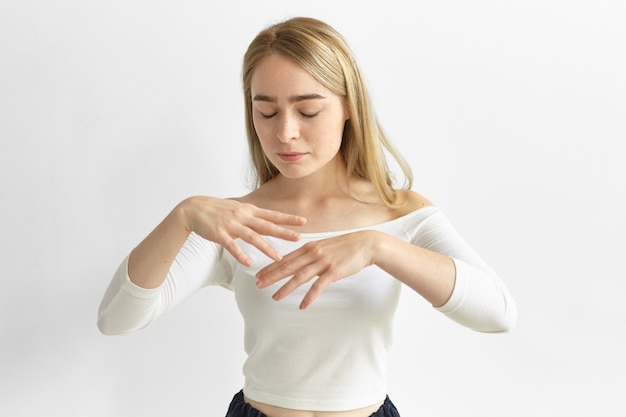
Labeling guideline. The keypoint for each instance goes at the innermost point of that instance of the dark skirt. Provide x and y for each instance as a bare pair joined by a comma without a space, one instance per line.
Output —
240,408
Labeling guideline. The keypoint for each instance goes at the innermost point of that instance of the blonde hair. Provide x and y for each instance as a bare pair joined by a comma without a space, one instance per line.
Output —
323,52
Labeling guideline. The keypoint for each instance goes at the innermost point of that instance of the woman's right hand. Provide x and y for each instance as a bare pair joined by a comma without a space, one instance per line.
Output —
225,220
222,221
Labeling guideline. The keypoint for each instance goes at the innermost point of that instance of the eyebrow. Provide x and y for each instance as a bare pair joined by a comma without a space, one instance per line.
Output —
292,99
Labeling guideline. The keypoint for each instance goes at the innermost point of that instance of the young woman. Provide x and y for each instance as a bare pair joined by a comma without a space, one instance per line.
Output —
318,252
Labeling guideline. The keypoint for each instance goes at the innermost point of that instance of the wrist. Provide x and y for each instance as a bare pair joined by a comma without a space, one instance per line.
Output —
182,214
376,246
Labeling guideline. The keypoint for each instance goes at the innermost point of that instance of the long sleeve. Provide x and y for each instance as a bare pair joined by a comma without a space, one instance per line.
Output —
127,307
480,300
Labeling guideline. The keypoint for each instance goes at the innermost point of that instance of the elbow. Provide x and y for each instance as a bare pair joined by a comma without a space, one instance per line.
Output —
109,327
509,321
508,318
112,324
105,327
503,321
502,326
508,325
481,302
484,317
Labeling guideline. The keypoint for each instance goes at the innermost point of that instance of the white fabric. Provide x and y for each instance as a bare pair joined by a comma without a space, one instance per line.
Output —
333,355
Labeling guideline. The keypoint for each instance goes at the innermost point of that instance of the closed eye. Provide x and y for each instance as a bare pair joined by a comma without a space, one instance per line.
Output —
268,116
309,115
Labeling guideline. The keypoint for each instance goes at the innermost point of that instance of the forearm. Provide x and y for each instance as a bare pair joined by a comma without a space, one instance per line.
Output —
136,298
447,272
150,261
429,273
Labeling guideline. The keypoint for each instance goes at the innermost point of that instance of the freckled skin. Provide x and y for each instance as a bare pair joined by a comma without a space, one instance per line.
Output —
295,115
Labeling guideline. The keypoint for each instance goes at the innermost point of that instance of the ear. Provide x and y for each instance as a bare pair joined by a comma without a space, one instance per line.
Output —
346,109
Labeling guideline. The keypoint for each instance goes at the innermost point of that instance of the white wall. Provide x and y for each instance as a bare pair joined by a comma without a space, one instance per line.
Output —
512,115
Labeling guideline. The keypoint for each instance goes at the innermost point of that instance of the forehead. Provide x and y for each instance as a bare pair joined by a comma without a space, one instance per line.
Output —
278,76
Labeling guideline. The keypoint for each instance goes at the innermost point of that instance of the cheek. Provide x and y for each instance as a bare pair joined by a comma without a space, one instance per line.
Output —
261,129
334,131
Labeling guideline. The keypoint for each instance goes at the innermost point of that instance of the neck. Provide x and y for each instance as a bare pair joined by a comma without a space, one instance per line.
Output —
325,183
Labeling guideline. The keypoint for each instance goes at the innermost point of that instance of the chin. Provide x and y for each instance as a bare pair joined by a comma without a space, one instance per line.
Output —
293,176
294,173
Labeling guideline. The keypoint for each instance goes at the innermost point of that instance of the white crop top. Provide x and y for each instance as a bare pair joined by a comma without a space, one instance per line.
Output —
333,355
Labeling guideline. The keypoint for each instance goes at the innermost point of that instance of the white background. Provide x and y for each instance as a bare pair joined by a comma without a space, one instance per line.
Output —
512,114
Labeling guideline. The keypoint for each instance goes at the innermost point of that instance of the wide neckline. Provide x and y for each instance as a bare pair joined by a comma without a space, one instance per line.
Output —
368,227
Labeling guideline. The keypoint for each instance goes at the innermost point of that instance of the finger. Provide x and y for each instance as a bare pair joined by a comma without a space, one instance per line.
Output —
253,238
316,289
300,278
267,228
285,270
280,218
287,266
234,249
267,222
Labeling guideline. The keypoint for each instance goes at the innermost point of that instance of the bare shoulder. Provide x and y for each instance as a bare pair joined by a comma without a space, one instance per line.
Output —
258,197
243,199
409,201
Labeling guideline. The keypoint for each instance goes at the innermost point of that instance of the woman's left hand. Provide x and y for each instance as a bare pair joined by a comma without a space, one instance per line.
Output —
329,259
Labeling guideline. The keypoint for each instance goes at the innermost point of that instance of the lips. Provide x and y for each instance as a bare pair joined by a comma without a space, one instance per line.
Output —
291,156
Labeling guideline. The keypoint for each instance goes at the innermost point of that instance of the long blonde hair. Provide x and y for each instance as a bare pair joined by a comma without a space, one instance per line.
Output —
323,52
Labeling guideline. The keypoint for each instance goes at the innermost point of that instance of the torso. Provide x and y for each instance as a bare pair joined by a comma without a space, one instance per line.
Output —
333,213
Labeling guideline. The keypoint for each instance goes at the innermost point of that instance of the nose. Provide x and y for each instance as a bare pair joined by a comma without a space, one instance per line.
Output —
288,128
